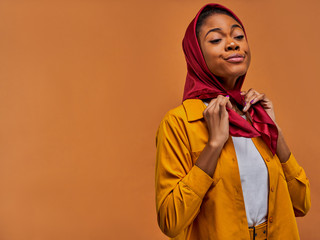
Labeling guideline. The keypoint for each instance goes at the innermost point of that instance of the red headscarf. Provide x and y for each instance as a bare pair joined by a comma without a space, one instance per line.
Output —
202,84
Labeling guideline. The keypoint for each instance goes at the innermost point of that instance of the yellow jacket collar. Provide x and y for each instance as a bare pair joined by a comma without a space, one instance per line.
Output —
194,109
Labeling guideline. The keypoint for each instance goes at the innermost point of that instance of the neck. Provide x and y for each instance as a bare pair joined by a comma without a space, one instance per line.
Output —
228,83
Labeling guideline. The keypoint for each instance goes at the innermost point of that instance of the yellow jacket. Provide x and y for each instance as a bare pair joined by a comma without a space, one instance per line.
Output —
192,205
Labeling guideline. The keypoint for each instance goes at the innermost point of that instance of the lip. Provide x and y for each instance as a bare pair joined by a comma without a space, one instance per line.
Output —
236,57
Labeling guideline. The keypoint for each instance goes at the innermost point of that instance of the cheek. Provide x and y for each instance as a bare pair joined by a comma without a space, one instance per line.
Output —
249,58
217,68
212,59
247,50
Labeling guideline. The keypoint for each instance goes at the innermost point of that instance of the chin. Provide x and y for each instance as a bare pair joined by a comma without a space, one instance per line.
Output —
238,70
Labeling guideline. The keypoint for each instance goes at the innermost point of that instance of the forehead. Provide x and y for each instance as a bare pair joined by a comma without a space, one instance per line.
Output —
218,20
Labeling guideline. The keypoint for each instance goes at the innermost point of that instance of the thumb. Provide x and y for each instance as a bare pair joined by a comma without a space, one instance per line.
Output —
229,105
223,111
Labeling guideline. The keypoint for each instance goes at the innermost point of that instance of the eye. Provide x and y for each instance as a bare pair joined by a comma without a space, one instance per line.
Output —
215,41
239,37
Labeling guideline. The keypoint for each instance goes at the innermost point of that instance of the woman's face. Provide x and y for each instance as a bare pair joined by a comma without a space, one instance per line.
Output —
219,38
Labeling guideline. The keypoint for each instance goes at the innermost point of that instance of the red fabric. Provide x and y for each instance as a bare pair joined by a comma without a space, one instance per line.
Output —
202,84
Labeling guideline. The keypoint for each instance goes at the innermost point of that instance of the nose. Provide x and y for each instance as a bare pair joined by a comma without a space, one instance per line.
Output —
231,45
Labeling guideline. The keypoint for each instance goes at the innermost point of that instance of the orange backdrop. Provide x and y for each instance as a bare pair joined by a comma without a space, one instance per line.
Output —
84,85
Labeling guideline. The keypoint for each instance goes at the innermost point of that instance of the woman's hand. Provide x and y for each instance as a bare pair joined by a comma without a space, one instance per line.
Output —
217,119
252,97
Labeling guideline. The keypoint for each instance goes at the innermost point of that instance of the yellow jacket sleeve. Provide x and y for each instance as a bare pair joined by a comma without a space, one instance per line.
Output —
180,185
298,185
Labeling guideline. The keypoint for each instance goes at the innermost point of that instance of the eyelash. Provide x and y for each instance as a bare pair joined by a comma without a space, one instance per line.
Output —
240,37
218,40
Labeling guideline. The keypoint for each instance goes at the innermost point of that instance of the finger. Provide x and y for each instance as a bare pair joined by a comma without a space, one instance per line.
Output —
252,100
214,101
257,98
247,106
217,100
229,104
227,101
249,97
251,92
247,93
212,107
222,107
223,111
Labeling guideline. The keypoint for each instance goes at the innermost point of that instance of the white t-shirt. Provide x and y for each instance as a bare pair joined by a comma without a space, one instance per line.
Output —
254,179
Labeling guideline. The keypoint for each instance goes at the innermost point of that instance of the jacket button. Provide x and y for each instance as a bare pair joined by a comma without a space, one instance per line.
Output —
272,189
270,219
268,159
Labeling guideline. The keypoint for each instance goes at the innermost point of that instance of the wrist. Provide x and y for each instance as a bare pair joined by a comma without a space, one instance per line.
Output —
214,145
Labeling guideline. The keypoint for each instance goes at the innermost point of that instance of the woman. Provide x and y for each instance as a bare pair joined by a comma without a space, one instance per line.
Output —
223,169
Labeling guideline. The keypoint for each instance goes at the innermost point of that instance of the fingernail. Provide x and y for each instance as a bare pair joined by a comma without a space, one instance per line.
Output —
251,101
227,96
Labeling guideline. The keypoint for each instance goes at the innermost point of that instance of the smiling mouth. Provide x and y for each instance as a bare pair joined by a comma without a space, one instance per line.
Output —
236,58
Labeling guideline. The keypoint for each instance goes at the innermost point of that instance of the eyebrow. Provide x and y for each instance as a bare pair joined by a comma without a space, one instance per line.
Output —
219,29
